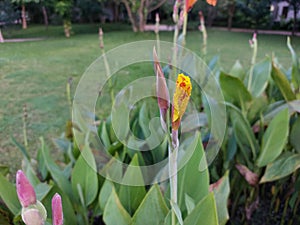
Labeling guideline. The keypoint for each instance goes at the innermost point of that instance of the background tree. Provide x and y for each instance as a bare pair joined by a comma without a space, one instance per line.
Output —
138,11
22,3
295,4
257,12
63,8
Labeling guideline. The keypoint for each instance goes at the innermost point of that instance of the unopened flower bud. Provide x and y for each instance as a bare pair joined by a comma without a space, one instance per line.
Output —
57,212
25,191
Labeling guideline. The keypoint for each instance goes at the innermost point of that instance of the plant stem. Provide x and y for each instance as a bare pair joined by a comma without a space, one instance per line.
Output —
25,115
253,60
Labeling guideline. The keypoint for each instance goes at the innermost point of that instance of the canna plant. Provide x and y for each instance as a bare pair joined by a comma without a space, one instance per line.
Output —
263,100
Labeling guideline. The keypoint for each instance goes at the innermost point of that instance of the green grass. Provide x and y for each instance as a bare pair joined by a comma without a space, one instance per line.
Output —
35,73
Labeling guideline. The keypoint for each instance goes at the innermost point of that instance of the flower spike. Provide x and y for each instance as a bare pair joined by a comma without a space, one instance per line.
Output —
180,99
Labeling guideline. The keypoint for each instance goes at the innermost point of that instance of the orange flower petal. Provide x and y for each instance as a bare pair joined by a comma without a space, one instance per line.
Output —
189,4
212,2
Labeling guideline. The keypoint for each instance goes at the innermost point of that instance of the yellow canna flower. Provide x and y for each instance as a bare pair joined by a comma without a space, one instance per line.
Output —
180,99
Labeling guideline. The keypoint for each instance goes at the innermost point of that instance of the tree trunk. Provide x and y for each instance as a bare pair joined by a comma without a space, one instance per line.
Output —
45,15
231,9
295,21
24,22
131,18
142,16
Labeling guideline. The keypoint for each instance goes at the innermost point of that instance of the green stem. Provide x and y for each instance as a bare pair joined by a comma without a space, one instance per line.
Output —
253,60
286,204
25,127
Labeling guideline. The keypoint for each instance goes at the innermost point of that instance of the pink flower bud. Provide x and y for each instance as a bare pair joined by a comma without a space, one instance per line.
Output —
32,217
162,92
25,191
57,212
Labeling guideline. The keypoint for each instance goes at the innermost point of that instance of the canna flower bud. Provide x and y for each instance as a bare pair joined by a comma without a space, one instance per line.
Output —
32,216
57,212
25,191
180,99
162,92
101,44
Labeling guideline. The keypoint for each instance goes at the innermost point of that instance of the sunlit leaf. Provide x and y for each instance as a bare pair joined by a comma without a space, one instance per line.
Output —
282,167
274,138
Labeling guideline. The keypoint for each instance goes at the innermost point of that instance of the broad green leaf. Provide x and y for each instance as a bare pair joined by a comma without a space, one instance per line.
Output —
295,66
260,78
191,180
243,132
283,166
9,196
41,190
282,83
104,135
114,212
274,138
131,196
105,193
257,106
295,135
22,149
4,170
193,121
84,174
152,210
205,212
221,192
177,212
234,90
56,172
144,120
237,70
190,203
42,168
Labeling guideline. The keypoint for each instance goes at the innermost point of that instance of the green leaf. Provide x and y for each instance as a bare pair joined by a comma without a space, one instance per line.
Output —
234,90
152,210
274,138
84,174
285,165
4,170
221,193
237,70
243,132
9,196
190,203
104,135
41,190
177,212
260,78
105,193
21,148
205,211
295,66
191,180
295,134
132,196
114,212
282,83
55,171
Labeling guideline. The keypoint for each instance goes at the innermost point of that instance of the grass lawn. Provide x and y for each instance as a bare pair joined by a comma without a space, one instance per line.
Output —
35,73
